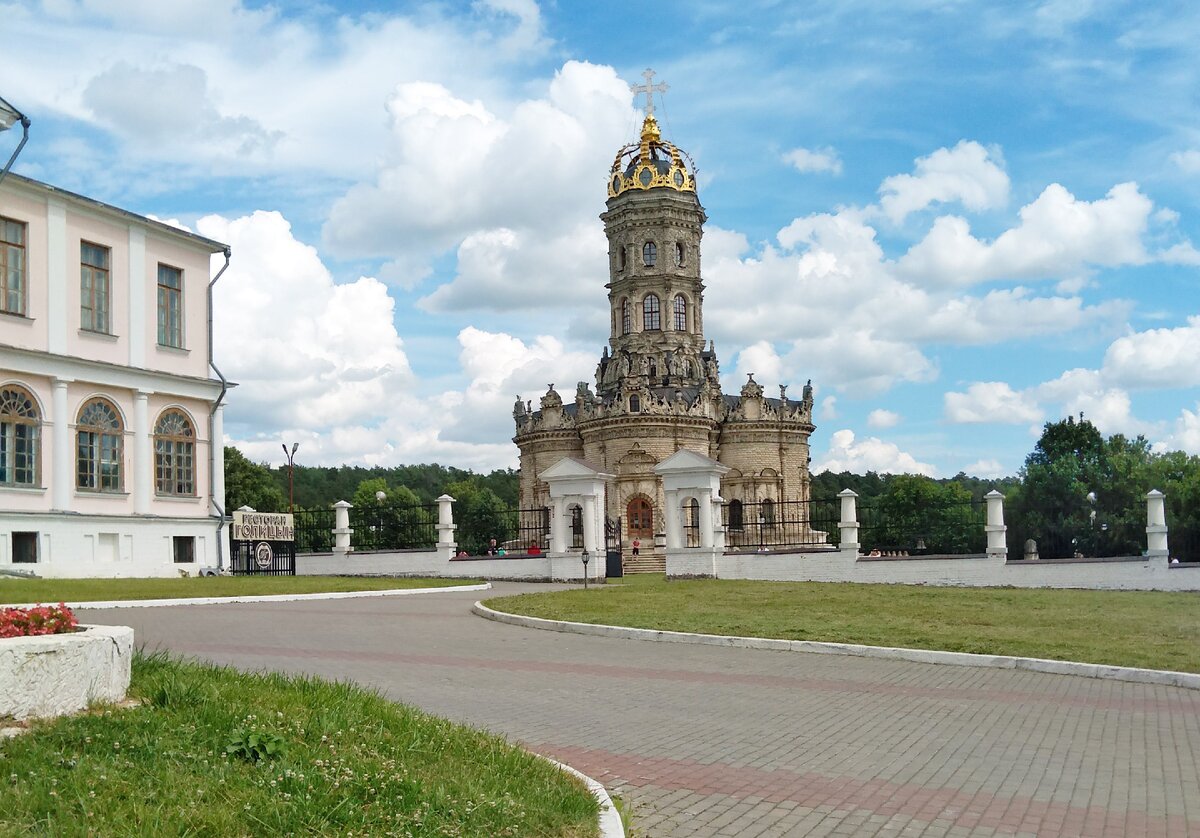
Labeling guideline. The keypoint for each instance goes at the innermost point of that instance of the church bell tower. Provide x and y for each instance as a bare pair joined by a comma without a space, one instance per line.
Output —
654,222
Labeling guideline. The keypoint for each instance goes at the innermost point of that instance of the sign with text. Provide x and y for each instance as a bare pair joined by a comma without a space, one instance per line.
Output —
262,526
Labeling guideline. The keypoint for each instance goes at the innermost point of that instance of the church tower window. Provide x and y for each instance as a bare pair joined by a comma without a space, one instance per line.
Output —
635,404
651,313
649,254
680,313
621,257
679,254
626,316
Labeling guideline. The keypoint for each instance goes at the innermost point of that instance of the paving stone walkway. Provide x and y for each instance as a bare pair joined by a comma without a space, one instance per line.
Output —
707,741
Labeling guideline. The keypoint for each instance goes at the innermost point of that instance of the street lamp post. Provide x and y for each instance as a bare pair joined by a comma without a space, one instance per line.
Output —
587,556
291,458
10,116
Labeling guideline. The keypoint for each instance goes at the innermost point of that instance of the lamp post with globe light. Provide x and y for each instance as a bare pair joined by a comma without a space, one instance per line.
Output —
291,460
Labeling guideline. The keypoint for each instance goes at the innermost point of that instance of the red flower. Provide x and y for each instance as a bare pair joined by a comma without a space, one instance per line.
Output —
41,619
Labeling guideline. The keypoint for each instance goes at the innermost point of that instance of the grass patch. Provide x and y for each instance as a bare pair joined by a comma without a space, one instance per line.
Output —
216,752
1125,628
96,590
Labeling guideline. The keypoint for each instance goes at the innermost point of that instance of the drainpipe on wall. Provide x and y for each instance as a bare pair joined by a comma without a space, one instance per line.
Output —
212,413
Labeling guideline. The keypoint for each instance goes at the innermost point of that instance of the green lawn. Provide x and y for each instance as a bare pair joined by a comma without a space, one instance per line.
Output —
94,590
1126,628
335,759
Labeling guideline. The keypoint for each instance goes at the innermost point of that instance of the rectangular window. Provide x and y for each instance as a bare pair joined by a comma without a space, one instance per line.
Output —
170,306
18,453
24,547
12,266
94,288
185,548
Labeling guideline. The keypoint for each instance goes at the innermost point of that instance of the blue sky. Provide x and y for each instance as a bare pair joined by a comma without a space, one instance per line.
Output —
960,220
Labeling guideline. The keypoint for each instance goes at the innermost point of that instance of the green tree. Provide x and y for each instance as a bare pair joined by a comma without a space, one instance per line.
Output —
919,513
481,516
250,484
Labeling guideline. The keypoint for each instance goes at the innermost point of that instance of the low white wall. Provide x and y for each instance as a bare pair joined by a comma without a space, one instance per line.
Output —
55,674
547,567
107,546
1135,573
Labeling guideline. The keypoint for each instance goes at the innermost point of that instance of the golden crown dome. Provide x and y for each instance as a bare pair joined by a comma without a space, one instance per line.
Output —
651,163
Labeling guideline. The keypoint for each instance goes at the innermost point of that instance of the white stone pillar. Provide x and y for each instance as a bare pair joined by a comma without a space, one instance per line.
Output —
1156,524
143,457
718,525
849,522
997,544
341,527
445,527
590,542
706,519
558,527
672,513
61,475
217,450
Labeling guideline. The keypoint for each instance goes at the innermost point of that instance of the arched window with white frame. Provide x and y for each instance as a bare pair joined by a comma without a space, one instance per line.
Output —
20,427
99,448
174,454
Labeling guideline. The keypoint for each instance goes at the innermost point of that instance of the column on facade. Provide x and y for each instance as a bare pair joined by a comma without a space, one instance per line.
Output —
590,542
143,461
706,518
671,515
558,525
61,447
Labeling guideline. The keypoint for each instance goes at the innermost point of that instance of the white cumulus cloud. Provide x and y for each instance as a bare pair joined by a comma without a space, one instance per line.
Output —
870,454
966,174
814,160
991,401
880,418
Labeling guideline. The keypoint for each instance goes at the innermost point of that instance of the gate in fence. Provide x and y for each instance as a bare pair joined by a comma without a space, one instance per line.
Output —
262,544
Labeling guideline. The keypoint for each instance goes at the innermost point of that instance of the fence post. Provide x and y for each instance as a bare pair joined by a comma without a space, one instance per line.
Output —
1156,524
849,523
672,518
446,545
997,532
341,527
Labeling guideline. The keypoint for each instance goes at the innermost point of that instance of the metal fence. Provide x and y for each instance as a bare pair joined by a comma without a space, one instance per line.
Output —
262,558
514,530
1184,543
774,525
313,530
394,527
929,529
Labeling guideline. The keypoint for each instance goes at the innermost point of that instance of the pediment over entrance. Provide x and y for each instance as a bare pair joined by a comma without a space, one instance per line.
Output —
686,460
569,467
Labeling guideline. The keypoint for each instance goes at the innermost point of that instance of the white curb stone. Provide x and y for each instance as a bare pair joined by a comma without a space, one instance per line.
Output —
1187,680
610,818
223,600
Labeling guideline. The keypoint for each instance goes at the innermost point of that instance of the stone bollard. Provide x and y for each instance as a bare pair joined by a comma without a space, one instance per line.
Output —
997,543
341,528
446,545
1031,550
1156,524
849,523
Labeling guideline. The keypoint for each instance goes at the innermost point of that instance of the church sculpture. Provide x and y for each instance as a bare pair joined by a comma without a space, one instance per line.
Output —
657,383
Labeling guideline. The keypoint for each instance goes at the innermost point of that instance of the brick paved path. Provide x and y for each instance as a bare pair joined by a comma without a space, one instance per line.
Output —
706,741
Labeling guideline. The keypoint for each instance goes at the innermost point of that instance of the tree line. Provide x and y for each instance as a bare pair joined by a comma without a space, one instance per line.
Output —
1078,493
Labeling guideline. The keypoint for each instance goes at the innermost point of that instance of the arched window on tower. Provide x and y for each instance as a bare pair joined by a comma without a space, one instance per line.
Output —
635,404
651,313
626,316
622,257
679,254
649,254
680,308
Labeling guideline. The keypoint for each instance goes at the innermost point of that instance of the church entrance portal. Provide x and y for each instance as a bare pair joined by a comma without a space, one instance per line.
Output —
641,519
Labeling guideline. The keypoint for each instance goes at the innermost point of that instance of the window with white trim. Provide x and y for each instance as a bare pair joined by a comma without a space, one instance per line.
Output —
13,289
95,289
174,455
20,426
99,448
170,306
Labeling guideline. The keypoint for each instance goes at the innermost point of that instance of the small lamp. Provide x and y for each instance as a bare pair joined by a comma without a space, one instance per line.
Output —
587,557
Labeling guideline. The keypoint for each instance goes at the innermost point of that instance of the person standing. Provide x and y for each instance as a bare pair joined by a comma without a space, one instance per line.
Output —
637,545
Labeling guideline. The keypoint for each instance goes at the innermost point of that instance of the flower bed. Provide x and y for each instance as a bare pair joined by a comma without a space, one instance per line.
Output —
50,665
39,620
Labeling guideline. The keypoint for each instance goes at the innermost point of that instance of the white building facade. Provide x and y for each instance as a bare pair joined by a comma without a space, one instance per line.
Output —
108,410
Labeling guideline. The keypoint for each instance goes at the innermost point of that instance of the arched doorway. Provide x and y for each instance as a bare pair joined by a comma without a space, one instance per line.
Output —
640,515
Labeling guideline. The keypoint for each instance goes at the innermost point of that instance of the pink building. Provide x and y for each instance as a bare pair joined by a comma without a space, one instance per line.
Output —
108,408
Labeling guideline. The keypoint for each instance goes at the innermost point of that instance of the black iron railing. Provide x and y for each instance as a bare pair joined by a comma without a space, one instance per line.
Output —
514,531
394,527
774,525
313,530
930,529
